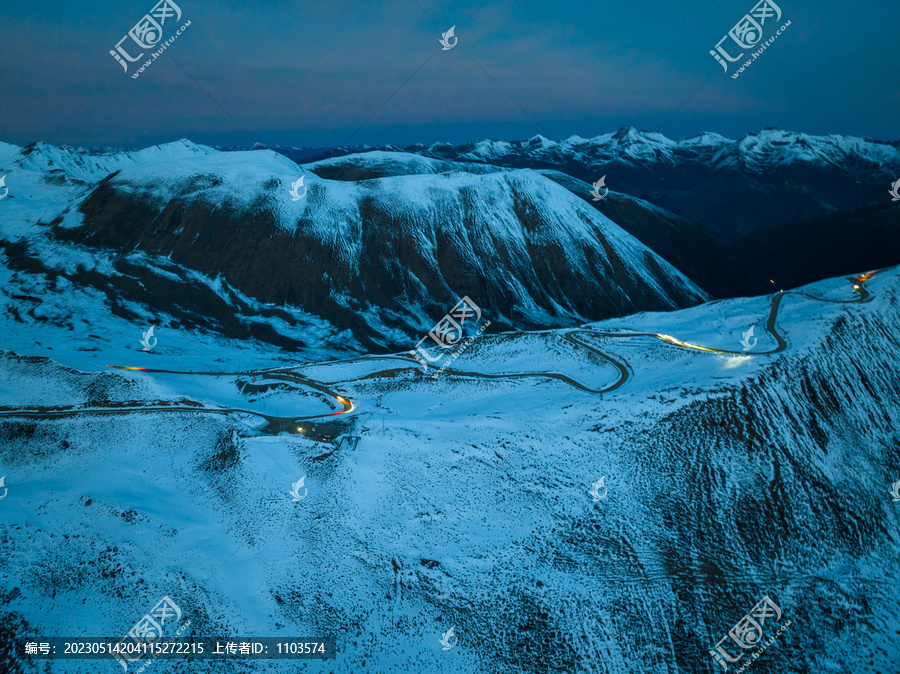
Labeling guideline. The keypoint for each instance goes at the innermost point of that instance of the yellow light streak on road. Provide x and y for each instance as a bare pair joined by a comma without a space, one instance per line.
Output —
346,403
687,345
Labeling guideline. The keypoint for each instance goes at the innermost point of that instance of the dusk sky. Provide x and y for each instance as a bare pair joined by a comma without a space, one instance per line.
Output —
328,73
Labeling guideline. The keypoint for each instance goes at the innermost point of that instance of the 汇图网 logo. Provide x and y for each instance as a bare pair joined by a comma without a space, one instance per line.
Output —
747,34
448,333
595,189
145,339
596,487
745,340
295,489
446,637
446,37
147,34
895,490
894,191
147,630
748,634
295,195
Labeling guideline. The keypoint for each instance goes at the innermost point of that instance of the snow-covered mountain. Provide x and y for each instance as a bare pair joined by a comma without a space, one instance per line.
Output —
217,240
608,498
68,163
728,186
727,476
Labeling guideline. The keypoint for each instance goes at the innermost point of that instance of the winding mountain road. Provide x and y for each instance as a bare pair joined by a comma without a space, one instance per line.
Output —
289,375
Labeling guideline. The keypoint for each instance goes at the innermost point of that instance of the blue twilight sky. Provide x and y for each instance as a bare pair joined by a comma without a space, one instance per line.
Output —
325,73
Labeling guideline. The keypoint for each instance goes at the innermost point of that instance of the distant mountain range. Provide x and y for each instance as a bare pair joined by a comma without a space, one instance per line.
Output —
729,187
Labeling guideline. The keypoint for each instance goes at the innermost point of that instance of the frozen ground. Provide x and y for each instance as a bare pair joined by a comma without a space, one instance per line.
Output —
466,502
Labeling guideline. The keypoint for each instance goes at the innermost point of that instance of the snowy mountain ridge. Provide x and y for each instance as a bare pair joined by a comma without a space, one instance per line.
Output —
729,187
90,168
382,250
757,152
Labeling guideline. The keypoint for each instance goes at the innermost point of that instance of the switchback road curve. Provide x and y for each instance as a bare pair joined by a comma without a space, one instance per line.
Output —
288,374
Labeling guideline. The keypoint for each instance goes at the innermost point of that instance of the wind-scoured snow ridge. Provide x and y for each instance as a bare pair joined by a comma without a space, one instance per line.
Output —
383,257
